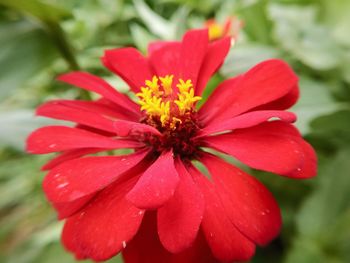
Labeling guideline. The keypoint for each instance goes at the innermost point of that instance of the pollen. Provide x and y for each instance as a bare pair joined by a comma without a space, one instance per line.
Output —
215,30
158,99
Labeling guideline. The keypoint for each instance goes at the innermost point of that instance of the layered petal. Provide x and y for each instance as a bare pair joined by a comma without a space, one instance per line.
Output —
64,111
247,120
90,82
157,184
69,155
179,219
224,239
217,51
220,94
193,50
165,58
130,65
248,204
129,128
105,226
264,83
80,177
67,209
284,102
260,147
147,248
61,138
308,166
57,109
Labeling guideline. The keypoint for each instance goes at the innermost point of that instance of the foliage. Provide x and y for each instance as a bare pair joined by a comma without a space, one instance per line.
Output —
41,39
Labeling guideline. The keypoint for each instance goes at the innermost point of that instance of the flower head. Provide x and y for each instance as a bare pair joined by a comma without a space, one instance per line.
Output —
154,205
230,27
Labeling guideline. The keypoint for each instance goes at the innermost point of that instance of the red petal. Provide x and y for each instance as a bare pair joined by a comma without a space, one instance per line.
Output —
80,177
165,58
130,65
215,56
179,219
129,128
104,227
68,239
68,155
155,45
68,209
225,241
157,184
264,83
283,103
62,111
61,138
308,167
198,252
97,107
215,100
249,205
246,120
193,50
260,148
146,247
92,83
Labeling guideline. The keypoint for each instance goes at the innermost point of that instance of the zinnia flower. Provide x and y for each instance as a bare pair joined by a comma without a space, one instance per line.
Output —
230,27
153,204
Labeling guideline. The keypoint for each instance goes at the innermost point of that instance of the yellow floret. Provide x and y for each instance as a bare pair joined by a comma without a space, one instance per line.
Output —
167,82
154,104
184,86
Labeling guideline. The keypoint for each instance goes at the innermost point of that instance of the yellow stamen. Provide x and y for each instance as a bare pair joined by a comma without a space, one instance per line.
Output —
153,85
184,86
215,30
186,98
167,82
155,102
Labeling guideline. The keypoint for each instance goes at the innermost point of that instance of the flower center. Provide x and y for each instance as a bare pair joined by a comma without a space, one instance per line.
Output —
170,107
157,99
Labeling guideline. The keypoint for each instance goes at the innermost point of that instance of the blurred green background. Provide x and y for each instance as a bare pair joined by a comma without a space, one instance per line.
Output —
41,39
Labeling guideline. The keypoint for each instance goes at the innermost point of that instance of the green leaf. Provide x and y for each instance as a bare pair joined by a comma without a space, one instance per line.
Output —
323,222
296,30
331,198
141,37
25,50
336,14
243,56
256,23
43,11
178,19
154,22
334,127
315,100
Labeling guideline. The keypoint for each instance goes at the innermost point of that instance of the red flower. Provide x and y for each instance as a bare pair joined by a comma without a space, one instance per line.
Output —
154,205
